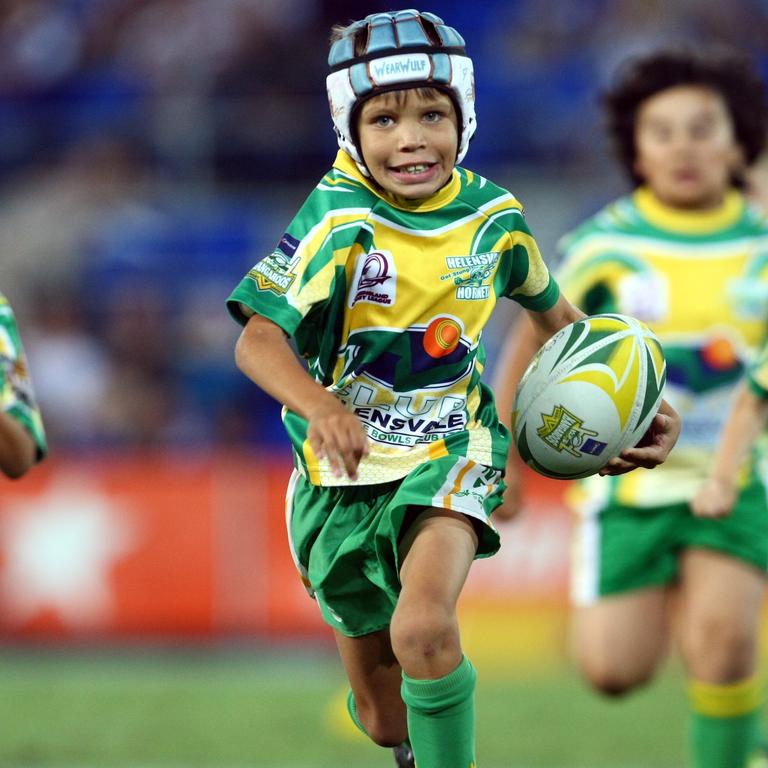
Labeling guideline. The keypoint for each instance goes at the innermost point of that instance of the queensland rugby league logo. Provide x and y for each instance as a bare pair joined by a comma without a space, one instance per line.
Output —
375,279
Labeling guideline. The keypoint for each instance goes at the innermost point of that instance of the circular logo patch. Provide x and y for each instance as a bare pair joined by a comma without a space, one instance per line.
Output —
719,354
441,337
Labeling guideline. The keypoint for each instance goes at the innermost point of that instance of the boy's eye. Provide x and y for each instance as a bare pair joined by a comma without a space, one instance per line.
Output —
433,116
383,120
659,132
702,130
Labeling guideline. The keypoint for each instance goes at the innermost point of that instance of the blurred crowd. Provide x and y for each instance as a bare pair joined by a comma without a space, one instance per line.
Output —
152,150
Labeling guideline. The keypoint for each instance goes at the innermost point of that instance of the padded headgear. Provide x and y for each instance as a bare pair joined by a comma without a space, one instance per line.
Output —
399,53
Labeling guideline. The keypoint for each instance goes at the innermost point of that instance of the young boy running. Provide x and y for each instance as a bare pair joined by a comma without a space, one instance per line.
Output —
688,255
385,280
22,439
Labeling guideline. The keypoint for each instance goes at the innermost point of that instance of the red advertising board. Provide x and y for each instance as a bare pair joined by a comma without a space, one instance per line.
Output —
186,545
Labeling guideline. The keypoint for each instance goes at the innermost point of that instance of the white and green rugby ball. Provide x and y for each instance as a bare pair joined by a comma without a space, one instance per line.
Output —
589,393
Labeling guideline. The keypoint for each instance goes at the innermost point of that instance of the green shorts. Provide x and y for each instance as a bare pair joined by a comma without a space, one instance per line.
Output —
626,548
344,538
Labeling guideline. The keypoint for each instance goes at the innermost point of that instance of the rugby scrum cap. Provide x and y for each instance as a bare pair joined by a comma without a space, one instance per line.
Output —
403,49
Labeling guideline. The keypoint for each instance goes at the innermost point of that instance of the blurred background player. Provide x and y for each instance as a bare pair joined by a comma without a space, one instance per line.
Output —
687,254
22,438
757,182
385,279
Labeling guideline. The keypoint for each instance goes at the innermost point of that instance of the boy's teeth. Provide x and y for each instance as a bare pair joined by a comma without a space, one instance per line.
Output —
415,168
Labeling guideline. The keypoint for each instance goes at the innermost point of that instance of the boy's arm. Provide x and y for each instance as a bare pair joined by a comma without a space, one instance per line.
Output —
529,331
745,422
516,353
18,451
264,355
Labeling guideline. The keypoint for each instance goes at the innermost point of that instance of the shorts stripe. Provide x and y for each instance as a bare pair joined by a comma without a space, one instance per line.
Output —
585,559
453,481
295,475
464,475
442,499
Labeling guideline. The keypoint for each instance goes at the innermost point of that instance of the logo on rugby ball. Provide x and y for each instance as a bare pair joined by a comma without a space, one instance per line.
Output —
591,393
565,431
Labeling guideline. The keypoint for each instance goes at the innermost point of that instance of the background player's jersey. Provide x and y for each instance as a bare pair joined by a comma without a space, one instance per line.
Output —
700,281
757,375
16,395
387,299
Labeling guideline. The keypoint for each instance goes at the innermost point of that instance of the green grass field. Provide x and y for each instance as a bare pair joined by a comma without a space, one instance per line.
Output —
261,708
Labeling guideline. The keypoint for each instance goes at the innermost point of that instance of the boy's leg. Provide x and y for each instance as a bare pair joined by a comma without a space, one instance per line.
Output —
719,625
621,639
374,674
438,681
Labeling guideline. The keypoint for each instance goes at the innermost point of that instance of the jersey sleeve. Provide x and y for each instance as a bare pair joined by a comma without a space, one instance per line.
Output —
757,374
524,275
17,397
299,275
591,275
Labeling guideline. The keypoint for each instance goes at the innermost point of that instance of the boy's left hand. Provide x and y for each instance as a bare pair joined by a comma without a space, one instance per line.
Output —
715,498
654,447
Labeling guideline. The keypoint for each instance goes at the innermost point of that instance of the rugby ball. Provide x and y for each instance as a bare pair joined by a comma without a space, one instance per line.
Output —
588,394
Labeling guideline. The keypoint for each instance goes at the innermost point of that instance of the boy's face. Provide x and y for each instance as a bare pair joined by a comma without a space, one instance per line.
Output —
409,141
686,147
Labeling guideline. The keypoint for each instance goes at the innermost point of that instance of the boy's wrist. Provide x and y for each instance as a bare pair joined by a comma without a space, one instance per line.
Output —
725,479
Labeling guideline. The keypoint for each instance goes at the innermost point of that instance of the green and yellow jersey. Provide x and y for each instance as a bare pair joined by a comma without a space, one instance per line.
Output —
387,299
700,281
757,375
17,397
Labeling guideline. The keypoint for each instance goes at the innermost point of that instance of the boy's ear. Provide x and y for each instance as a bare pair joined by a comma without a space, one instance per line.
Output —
738,160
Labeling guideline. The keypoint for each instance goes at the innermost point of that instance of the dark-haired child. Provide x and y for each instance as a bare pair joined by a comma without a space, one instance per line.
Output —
687,254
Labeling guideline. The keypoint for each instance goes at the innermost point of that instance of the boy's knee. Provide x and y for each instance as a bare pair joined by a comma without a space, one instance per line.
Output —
614,681
720,652
423,633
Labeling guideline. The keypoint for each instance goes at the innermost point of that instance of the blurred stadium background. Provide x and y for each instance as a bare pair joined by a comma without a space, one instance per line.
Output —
150,152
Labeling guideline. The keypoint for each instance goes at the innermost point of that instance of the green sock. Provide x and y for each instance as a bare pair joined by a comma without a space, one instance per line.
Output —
441,718
724,723
352,709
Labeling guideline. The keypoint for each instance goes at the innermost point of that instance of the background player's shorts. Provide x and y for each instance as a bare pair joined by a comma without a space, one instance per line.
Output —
344,538
626,548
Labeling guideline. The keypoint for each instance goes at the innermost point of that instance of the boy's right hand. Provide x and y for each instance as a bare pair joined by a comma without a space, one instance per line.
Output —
335,433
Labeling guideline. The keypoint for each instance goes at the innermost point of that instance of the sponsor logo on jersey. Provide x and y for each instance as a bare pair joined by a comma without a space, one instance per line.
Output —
274,272
471,274
287,245
405,419
394,427
564,431
375,279
442,336
644,295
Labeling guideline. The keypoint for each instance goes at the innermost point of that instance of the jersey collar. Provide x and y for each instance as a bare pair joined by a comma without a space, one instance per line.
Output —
689,222
442,197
